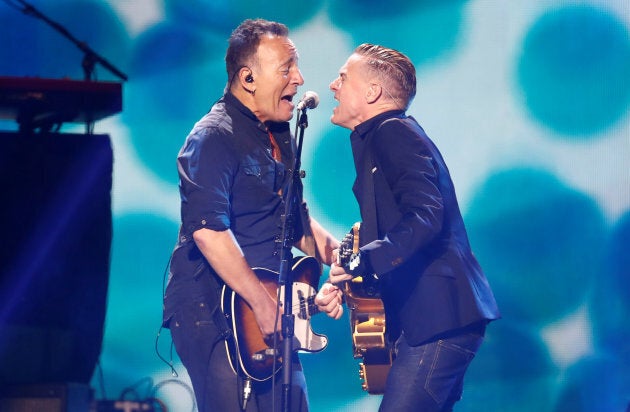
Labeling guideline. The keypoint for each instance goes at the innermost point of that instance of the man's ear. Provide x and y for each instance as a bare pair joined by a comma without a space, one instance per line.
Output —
246,78
373,93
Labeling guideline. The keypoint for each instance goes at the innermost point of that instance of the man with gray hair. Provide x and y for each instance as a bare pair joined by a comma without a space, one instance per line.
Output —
414,248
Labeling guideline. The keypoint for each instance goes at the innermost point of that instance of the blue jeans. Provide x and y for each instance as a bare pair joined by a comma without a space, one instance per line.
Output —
202,350
429,377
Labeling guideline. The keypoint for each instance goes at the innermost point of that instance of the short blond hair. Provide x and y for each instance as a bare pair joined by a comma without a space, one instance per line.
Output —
394,68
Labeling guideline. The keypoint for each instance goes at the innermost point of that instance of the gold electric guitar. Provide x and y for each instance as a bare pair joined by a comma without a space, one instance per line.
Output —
367,320
248,352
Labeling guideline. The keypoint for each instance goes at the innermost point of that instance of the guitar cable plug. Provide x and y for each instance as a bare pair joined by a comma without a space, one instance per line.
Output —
247,392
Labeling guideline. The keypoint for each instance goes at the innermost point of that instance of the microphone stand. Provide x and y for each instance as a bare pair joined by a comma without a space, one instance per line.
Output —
286,259
90,57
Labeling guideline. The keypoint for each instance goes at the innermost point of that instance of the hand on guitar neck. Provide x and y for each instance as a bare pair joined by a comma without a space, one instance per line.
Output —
352,277
330,297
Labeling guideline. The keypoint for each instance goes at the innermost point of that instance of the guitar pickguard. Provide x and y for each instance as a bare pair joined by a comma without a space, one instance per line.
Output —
249,353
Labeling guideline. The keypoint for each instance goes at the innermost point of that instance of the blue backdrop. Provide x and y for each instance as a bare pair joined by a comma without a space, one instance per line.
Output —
528,101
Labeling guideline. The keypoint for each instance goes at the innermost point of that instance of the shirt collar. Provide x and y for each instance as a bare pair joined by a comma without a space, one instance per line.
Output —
233,101
230,99
363,128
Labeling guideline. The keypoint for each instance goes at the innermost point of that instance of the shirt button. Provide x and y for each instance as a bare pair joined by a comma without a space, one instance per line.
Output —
203,221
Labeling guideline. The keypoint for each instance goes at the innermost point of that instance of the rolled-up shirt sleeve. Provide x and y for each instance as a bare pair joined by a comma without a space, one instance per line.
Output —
206,172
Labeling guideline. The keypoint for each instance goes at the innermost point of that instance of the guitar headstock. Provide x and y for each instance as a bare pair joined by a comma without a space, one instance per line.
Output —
349,245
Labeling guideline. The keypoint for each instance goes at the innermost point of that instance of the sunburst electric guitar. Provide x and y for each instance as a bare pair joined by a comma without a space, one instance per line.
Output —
249,353
367,320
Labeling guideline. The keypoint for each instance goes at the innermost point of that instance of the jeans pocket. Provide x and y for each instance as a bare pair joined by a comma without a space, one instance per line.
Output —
192,328
447,370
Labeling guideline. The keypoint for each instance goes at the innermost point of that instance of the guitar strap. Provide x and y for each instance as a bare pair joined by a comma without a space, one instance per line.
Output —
225,332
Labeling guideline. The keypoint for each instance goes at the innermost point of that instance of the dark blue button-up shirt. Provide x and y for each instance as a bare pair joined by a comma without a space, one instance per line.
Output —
229,180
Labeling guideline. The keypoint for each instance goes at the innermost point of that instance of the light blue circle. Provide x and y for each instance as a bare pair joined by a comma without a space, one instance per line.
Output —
574,70
539,242
331,185
177,73
423,30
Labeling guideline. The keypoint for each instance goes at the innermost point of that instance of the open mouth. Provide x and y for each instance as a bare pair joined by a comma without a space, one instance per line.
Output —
288,98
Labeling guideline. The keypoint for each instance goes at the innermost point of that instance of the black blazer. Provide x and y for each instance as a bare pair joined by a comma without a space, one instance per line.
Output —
413,232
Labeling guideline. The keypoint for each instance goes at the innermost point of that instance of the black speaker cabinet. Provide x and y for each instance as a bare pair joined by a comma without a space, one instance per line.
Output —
67,397
56,229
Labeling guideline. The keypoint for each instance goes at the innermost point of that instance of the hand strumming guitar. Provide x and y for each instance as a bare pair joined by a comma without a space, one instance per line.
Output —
265,311
329,300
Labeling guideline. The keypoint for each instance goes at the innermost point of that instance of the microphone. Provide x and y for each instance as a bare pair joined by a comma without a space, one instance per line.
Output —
310,100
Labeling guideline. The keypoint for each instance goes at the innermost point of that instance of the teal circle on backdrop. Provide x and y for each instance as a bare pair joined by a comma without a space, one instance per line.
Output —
587,387
497,361
331,179
539,241
423,30
223,16
31,47
512,367
574,70
169,46
141,247
345,389
611,302
619,258
178,73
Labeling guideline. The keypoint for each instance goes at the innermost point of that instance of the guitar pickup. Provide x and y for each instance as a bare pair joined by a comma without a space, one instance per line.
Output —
302,299
262,355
